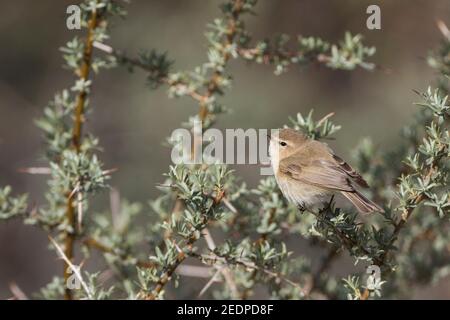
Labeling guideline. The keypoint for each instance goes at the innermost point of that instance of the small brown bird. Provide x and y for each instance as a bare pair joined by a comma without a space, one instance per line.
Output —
309,174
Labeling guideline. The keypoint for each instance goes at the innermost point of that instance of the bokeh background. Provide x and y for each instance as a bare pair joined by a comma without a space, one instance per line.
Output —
132,120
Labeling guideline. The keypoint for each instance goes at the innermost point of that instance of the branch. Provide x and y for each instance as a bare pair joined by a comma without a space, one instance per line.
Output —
183,252
17,292
226,272
167,275
406,214
121,56
75,269
214,257
95,244
195,271
70,236
444,29
346,55
348,242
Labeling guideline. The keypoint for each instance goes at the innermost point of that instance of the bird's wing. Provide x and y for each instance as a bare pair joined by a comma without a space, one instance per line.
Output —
320,173
345,167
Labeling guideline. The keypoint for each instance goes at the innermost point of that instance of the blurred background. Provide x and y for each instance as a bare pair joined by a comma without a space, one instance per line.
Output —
132,121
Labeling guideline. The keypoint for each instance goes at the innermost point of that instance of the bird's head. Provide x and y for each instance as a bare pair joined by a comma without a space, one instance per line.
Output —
285,142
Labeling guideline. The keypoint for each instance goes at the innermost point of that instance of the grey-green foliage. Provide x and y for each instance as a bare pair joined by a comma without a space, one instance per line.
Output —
208,215
54,290
75,171
415,226
11,206
346,55
321,129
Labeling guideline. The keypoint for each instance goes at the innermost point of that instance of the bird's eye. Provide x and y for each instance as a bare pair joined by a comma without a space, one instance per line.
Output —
283,144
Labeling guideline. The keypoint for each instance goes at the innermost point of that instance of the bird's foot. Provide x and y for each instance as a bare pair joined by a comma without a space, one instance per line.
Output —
301,208
328,205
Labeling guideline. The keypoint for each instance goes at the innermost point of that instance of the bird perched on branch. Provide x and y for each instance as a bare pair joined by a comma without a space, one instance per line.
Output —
309,174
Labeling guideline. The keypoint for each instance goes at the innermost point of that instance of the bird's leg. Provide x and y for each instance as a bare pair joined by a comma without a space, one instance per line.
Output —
328,206
301,208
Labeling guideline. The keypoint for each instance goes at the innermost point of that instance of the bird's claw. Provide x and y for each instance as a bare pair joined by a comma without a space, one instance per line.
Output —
329,204
301,208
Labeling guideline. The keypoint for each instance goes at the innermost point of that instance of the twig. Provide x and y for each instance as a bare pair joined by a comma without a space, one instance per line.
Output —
212,87
398,227
182,253
250,265
114,200
325,118
70,236
348,242
75,269
226,272
17,292
444,29
138,64
210,282
35,170
229,205
406,214
166,276
95,244
194,271
80,210
84,75
262,238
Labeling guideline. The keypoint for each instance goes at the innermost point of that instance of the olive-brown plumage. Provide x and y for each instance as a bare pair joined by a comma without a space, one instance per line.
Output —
309,173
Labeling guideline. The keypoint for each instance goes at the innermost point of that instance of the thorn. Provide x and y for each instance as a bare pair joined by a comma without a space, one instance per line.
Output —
35,170
112,170
80,210
443,28
75,269
213,279
114,200
103,47
325,118
162,185
17,292
75,190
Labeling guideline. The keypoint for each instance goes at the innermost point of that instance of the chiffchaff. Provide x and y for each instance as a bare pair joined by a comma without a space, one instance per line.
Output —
309,174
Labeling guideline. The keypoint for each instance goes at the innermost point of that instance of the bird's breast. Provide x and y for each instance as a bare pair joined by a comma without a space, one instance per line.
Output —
301,193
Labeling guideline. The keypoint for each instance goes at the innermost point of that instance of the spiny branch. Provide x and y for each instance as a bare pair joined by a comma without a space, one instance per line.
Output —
183,253
70,236
214,257
406,214
121,56
95,244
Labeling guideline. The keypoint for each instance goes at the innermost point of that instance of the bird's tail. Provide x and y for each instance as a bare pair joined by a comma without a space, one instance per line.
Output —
361,203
